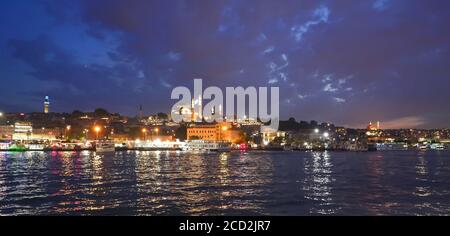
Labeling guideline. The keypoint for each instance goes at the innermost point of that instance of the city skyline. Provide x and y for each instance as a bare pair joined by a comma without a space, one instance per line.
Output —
346,63
140,114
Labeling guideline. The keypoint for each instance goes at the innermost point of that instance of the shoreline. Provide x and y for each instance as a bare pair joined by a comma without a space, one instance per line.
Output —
233,150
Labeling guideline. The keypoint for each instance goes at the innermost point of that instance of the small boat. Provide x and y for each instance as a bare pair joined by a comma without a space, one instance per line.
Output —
105,146
203,145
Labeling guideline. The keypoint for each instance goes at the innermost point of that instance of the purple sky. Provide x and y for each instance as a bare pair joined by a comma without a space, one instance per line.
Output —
346,62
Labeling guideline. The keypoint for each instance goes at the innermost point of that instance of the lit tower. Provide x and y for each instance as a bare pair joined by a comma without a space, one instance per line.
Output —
46,104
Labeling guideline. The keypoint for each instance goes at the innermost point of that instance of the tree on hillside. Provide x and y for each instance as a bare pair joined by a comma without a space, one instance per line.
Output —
162,116
100,112
77,113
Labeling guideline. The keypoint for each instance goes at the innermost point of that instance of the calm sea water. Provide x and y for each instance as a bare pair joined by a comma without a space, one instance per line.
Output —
253,183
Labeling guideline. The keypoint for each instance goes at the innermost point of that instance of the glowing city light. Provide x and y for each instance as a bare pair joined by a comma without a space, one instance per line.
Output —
144,131
97,130
326,135
316,131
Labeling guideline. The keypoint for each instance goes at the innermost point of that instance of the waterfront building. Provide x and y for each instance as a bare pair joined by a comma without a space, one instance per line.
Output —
221,131
120,137
6,132
44,134
24,131
270,136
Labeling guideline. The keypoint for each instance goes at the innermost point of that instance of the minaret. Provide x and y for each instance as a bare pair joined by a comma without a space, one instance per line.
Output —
46,105
141,113
193,110
200,107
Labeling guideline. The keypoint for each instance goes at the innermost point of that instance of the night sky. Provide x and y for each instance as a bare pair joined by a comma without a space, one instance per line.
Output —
346,62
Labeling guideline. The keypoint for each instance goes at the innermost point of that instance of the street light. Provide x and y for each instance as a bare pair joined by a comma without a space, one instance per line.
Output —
144,131
67,131
316,131
326,135
1,114
155,130
97,130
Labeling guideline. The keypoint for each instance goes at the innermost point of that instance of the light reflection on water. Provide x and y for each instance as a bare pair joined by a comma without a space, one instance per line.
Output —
318,183
237,183
423,189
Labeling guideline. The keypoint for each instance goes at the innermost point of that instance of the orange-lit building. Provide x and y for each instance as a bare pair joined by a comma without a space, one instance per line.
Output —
6,131
374,133
222,131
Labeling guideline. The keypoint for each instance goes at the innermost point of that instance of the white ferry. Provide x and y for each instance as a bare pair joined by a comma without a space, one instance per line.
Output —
392,146
437,146
105,146
35,146
4,146
204,146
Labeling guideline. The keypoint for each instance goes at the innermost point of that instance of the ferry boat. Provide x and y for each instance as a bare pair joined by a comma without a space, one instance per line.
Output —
4,146
423,147
437,146
36,147
392,146
105,146
202,146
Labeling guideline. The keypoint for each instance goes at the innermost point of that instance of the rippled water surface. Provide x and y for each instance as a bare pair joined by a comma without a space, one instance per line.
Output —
253,183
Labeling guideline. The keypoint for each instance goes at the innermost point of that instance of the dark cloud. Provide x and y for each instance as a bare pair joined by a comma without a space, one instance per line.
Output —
79,83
